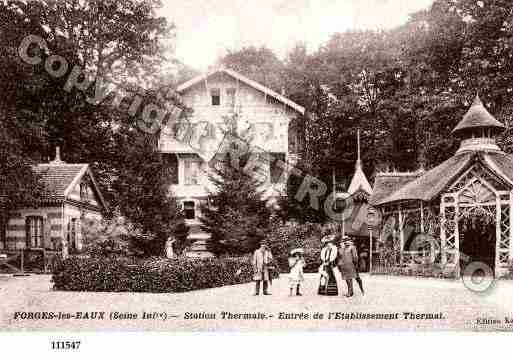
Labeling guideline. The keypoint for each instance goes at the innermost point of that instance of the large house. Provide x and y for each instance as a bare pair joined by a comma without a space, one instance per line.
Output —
220,99
70,196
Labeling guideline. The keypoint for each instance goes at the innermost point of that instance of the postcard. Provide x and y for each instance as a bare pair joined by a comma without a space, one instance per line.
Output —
248,166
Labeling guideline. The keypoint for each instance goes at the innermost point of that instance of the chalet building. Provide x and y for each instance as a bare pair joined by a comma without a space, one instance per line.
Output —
465,204
71,196
222,99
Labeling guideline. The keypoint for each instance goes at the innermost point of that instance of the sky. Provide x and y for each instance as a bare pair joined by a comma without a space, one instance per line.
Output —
205,29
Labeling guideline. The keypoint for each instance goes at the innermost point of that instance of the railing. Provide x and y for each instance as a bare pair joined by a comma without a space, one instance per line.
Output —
415,263
33,260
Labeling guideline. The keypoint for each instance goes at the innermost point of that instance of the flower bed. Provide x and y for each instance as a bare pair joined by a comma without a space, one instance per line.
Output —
156,276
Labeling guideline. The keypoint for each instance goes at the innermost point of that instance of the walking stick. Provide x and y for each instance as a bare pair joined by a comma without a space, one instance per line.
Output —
370,254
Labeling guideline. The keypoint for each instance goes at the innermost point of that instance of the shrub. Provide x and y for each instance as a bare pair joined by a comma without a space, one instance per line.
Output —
107,237
284,237
152,275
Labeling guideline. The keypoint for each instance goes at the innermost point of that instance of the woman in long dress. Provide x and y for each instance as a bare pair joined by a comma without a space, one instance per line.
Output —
328,282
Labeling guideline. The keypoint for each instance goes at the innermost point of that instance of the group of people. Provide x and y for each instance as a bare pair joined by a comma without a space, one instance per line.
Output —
339,262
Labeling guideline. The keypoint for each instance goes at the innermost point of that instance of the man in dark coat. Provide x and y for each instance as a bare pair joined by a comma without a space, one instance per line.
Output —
348,262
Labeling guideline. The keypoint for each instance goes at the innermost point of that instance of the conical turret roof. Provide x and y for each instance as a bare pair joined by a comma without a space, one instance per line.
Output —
478,117
359,180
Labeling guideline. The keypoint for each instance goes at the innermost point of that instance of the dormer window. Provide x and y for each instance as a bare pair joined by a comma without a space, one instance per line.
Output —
215,95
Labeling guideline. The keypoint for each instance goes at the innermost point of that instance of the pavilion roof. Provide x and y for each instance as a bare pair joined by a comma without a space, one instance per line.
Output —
478,117
433,182
387,183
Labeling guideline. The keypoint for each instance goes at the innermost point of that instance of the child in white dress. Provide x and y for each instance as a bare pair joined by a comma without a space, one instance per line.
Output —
296,264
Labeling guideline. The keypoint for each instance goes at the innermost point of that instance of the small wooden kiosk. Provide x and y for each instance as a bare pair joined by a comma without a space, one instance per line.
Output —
465,204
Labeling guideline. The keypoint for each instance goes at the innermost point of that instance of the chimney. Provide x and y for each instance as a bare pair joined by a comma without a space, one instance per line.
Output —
57,160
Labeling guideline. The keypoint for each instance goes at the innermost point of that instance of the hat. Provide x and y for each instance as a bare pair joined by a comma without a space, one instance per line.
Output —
346,238
297,250
328,238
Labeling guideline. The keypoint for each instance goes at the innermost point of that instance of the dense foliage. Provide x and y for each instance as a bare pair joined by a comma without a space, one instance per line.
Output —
156,276
286,236
121,43
405,88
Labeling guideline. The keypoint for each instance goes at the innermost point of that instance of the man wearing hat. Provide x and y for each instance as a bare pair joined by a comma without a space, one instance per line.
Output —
348,260
262,260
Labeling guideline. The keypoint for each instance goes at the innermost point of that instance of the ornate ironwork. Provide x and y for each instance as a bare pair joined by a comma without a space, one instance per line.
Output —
504,241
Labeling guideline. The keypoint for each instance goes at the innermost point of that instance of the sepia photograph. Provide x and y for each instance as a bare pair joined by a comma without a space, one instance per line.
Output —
255,166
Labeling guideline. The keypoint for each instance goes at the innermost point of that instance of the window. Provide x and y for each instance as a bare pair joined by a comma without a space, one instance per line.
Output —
189,210
72,233
171,165
215,94
191,171
230,94
34,229
277,166
84,192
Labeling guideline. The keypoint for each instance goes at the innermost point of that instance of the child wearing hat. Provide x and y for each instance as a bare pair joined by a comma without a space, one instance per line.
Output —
296,264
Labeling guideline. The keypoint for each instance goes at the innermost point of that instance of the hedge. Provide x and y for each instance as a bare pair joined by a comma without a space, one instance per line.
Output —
156,276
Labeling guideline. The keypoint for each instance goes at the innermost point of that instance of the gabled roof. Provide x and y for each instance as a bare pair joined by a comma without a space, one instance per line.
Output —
198,79
359,181
478,117
387,183
59,179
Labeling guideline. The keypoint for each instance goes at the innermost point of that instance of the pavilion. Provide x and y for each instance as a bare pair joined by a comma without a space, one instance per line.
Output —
464,204
355,204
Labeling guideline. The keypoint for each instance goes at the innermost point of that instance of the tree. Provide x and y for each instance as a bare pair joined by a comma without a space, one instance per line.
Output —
259,64
122,41
142,186
234,214
119,41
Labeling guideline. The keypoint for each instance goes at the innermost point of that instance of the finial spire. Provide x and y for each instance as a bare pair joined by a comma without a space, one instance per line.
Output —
477,101
57,160
358,154
359,181
358,141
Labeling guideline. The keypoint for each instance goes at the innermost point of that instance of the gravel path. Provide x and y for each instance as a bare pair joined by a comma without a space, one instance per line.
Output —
29,296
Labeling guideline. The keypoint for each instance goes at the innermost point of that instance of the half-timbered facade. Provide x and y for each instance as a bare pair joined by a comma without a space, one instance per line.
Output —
223,99
465,204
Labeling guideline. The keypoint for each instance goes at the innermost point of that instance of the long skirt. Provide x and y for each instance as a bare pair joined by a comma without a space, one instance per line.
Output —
330,287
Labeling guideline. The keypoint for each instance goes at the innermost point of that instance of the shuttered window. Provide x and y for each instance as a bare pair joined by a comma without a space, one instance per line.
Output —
215,94
35,232
191,171
189,210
